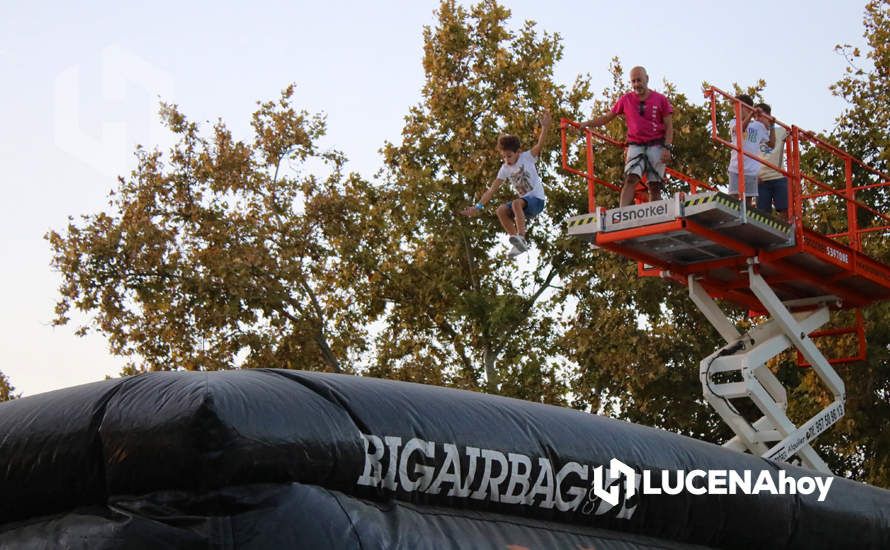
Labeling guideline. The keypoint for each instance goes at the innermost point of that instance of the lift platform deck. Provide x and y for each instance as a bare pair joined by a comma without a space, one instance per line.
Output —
706,234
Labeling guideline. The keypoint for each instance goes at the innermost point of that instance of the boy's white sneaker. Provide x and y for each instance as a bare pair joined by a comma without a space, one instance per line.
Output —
519,242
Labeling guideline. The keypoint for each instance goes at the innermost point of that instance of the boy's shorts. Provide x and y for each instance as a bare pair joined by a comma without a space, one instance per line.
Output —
645,158
750,184
533,207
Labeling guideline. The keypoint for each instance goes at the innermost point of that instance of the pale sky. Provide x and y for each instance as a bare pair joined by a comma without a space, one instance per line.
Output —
81,81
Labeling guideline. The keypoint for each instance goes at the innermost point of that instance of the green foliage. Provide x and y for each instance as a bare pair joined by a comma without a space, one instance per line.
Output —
6,388
865,125
863,129
206,258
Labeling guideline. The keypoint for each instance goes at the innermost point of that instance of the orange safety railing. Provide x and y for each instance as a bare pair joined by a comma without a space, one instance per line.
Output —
590,156
858,329
848,194
737,146
590,160
797,177
795,174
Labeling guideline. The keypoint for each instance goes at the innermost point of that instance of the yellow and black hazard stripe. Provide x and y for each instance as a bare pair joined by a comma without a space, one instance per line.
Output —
582,221
768,221
719,198
733,204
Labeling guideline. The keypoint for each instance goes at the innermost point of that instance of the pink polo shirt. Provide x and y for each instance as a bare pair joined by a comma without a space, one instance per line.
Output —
649,126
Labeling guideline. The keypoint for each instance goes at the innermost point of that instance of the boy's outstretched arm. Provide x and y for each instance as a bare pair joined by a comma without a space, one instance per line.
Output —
545,121
472,211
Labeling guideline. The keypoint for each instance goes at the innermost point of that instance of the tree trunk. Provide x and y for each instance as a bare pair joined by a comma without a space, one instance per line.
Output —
491,375
327,354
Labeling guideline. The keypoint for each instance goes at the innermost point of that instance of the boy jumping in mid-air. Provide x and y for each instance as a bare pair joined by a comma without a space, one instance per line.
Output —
520,172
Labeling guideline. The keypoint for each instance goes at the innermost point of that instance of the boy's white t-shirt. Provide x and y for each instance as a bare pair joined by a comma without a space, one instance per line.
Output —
523,176
755,135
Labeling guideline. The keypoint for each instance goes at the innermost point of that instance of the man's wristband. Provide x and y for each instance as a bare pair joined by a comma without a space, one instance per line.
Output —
669,147
479,206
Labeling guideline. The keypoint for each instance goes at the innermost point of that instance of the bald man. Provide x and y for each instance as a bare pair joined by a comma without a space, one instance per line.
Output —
650,135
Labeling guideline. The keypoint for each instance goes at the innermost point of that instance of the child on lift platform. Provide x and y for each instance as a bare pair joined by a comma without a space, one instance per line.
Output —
520,172
754,137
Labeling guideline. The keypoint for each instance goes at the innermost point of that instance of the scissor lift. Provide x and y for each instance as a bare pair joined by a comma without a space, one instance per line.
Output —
796,276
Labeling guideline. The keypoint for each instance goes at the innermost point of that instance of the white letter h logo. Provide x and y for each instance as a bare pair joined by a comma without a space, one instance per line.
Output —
617,469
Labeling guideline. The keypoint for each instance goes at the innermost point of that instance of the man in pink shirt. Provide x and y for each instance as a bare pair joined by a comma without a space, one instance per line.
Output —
650,134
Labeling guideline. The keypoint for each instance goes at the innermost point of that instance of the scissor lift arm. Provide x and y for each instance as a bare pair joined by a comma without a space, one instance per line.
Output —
773,435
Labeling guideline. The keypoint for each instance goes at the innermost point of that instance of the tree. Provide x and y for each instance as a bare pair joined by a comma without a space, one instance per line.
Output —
458,312
6,388
562,326
567,325
209,258
862,442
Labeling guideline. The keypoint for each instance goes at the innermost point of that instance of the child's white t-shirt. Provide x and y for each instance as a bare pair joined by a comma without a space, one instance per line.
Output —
523,176
774,156
755,135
